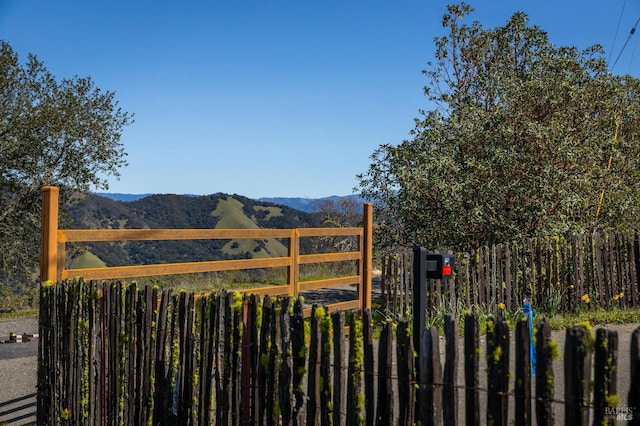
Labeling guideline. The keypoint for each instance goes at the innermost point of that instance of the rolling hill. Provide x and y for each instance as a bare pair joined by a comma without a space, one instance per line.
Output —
178,211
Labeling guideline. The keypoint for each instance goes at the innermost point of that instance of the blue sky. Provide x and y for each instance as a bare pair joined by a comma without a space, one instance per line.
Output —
271,98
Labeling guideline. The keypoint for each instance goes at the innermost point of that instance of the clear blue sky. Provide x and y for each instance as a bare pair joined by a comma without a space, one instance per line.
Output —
270,97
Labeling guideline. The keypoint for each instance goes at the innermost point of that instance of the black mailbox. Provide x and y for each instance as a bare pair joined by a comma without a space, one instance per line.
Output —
440,266
427,266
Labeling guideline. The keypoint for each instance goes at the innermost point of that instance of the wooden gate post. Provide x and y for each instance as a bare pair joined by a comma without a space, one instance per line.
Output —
367,257
49,235
293,278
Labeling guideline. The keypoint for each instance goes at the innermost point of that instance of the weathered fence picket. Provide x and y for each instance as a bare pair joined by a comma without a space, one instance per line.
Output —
545,378
298,350
406,390
116,354
450,379
577,369
385,395
339,377
471,368
313,373
522,386
286,361
355,401
497,371
369,369
605,375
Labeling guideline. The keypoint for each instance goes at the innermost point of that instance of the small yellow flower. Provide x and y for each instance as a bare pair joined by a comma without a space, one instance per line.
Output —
616,297
585,297
501,306
621,294
571,286
65,414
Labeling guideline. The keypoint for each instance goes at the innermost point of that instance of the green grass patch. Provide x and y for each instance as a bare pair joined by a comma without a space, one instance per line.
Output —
599,316
19,313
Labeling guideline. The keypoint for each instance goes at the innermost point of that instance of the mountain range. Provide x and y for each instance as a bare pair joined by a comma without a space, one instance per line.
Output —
163,211
309,205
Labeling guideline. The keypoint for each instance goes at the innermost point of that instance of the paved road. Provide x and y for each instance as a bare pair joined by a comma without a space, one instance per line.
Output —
18,366
18,350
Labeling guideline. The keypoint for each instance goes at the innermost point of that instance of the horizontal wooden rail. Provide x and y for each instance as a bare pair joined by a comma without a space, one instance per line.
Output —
52,259
110,235
118,272
107,235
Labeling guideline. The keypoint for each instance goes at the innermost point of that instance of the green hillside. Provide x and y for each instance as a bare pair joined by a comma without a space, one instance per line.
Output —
231,215
86,260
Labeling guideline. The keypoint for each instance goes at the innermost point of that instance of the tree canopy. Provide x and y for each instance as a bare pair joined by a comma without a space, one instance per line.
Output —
522,138
52,132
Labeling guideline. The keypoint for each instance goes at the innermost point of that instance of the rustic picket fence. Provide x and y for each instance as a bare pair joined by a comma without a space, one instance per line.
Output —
553,273
116,354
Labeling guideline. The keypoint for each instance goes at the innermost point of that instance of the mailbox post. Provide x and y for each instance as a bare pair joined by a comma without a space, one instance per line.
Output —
419,293
426,266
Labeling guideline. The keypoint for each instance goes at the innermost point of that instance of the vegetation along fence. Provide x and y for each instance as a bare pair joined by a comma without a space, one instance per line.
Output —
111,354
555,274
52,262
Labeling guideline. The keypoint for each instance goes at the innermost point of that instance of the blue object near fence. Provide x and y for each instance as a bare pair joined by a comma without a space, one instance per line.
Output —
528,311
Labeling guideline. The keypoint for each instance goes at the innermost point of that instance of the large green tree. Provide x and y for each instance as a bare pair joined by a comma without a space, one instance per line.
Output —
52,132
523,138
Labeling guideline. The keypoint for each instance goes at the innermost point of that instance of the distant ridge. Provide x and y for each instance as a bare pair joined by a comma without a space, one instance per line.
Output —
117,196
122,197
307,205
